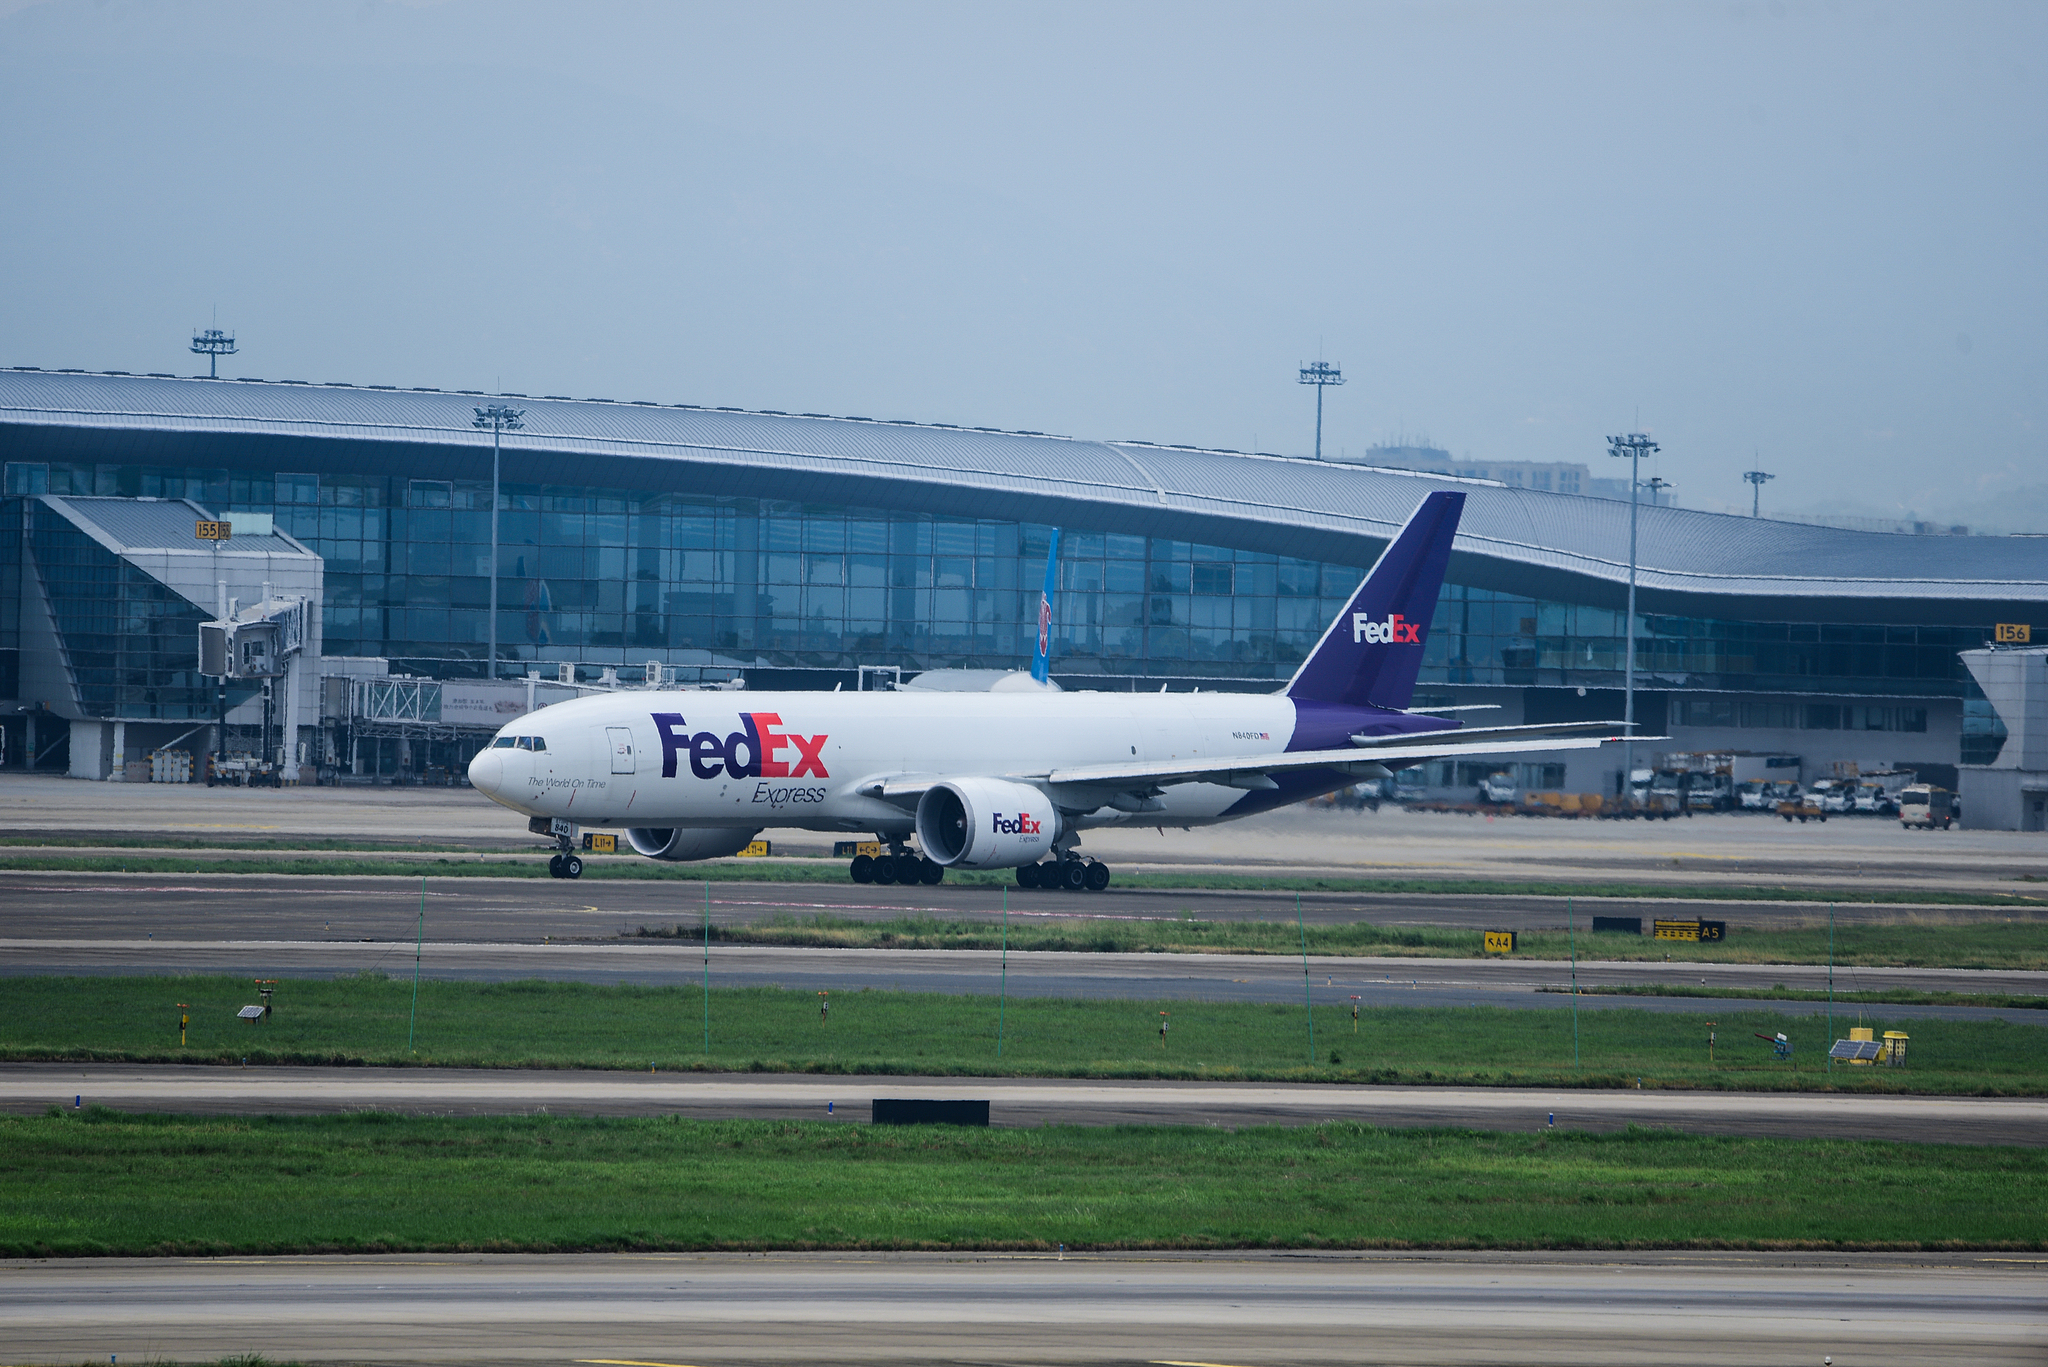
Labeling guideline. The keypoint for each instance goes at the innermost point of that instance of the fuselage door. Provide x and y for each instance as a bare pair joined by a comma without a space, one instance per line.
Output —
621,741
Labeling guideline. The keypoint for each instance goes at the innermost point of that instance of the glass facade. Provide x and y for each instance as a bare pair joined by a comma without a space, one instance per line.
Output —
603,577
132,644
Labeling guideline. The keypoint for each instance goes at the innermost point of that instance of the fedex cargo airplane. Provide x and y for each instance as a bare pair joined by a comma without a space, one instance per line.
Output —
1009,778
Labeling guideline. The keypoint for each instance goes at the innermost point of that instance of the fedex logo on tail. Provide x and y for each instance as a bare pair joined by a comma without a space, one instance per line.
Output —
1021,824
1396,630
755,752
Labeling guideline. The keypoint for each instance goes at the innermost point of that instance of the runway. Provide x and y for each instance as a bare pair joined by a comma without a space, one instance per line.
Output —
1184,1310
1516,983
30,1088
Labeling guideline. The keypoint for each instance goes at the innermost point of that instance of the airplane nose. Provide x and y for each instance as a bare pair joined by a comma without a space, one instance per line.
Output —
487,772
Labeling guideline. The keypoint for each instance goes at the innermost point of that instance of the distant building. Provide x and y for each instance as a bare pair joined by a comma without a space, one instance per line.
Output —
1557,477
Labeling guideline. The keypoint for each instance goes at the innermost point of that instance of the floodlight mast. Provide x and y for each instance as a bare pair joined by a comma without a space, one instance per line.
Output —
1756,480
1322,375
213,344
1633,447
500,420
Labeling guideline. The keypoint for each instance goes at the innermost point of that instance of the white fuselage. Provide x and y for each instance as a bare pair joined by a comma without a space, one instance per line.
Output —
742,759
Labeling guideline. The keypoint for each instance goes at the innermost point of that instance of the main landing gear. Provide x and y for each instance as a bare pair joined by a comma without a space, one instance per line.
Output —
899,866
1069,874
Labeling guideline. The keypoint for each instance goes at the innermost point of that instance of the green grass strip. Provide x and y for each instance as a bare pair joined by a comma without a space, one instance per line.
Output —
99,1183
364,1018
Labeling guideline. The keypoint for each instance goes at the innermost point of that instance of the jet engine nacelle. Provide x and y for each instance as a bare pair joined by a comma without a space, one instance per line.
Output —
985,823
681,844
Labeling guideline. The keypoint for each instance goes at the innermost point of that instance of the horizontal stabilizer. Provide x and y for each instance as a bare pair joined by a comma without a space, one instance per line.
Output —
1475,735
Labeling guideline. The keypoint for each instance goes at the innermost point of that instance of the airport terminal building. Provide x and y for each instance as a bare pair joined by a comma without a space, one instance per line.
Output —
805,550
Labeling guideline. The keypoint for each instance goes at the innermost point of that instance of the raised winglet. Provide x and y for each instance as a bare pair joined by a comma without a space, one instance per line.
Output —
1371,654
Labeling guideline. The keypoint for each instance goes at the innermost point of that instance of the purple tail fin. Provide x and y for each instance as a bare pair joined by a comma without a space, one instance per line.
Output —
1371,654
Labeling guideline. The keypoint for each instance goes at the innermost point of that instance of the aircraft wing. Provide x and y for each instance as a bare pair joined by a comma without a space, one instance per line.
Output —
1246,771
1370,756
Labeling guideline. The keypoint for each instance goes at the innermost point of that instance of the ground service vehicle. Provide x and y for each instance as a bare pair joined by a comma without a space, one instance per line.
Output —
1927,806
1802,807
1751,796
1498,788
1709,792
1667,794
1784,790
1012,777
1832,794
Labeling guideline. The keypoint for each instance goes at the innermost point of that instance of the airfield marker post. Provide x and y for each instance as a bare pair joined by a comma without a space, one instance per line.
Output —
1308,999
1003,991
1831,986
418,945
1572,929
707,968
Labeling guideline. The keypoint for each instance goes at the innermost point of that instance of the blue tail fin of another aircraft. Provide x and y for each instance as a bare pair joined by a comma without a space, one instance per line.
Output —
1371,654
1041,656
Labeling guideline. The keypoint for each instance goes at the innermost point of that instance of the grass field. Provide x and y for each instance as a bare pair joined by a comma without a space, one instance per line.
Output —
367,1018
1980,944
100,1183
328,858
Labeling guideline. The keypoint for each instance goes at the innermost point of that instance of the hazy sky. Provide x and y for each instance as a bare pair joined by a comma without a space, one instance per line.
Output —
1812,231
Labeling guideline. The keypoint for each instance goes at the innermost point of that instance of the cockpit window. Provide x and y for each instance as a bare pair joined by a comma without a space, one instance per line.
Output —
504,742
540,743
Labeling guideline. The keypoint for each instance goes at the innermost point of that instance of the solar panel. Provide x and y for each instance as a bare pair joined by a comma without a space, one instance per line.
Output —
1855,1050
249,1013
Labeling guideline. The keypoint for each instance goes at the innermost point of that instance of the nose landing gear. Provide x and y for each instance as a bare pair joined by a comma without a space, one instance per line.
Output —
565,866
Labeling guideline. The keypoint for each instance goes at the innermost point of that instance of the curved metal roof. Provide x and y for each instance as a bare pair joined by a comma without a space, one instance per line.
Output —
1317,506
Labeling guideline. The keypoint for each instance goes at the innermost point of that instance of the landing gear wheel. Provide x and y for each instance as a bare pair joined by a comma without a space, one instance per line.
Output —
1098,877
1073,875
572,866
1027,875
555,866
885,869
930,872
862,870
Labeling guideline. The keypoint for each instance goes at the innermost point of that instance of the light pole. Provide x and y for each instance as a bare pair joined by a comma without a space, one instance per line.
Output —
1322,375
500,420
213,344
1756,480
1633,447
